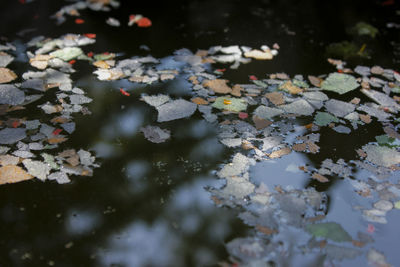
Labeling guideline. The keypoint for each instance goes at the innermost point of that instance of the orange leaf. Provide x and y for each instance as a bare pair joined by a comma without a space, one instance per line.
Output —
125,93
227,102
79,21
144,22
90,35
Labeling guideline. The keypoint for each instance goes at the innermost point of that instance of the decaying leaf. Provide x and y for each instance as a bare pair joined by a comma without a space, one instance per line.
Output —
13,174
155,134
280,153
218,86
320,178
7,75
276,98
230,104
258,54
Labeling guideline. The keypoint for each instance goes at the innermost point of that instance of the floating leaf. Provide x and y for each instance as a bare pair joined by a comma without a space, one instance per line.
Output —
67,53
329,230
290,88
13,174
199,101
9,94
276,98
324,119
218,86
176,109
339,83
280,153
230,104
267,113
258,54
7,75
155,134
381,155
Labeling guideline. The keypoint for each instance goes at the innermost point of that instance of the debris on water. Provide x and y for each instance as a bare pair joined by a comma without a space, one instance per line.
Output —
363,28
381,155
113,22
155,134
7,75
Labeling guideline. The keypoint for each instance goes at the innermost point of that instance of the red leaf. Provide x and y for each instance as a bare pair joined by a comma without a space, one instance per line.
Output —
144,22
72,61
79,21
90,35
388,3
253,78
90,54
221,70
243,115
57,131
15,124
131,17
125,93
370,228
340,71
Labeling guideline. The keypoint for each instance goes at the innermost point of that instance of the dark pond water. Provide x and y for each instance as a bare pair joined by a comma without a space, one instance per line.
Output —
146,205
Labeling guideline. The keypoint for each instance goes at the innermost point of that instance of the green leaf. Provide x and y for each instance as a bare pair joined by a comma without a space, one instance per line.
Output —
104,56
260,83
67,53
363,28
384,140
300,83
329,230
324,118
339,83
230,103
397,205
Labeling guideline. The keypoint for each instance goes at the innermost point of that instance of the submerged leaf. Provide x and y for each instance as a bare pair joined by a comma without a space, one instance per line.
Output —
324,119
329,230
155,134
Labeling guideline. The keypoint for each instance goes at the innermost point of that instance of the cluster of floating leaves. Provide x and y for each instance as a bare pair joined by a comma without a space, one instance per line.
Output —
264,121
30,145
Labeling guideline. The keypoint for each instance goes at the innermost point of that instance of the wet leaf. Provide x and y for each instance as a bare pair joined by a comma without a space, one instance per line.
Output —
7,75
67,53
37,168
155,134
11,135
339,83
13,174
218,86
261,123
280,153
199,101
290,88
258,54
298,107
267,113
329,230
376,258
230,104
381,155
276,98
175,109
324,119
11,95
320,178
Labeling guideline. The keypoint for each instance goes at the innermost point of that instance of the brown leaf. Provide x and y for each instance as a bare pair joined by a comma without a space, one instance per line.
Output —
218,86
316,218
355,101
258,54
299,147
315,80
365,118
60,120
56,140
312,147
7,75
358,243
13,174
266,230
199,101
391,132
194,80
101,64
282,76
320,178
280,153
276,98
291,88
236,90
261,123
246,145
361,153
